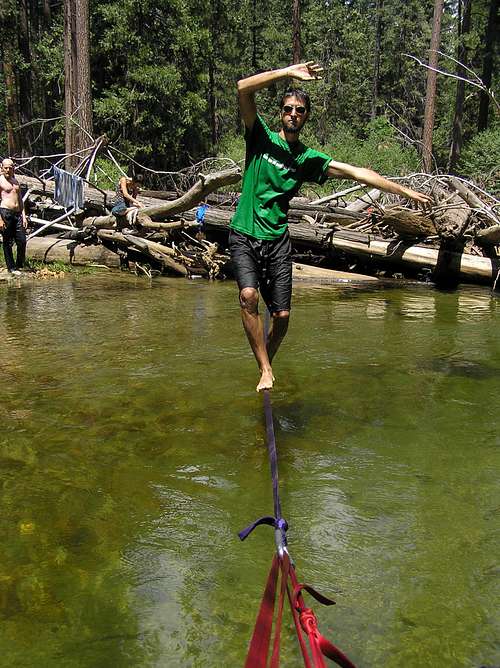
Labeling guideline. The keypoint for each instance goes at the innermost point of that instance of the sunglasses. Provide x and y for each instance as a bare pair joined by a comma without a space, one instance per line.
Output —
287,108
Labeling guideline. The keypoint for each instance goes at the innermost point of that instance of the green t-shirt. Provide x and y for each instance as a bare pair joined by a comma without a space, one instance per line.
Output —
274,172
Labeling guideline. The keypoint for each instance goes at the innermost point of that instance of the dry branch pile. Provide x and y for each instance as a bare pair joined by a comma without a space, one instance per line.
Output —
373,229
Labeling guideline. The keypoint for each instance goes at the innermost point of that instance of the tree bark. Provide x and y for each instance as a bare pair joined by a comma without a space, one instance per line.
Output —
296,47
24,76
489,42
84,94
457,130
376,56
11,100
70,81
430,96
47,13
8,27
77,90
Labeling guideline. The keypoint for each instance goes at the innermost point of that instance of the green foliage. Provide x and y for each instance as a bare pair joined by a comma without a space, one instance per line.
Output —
56,266
480,160
164,75
59,266
233,147
106,174
379,149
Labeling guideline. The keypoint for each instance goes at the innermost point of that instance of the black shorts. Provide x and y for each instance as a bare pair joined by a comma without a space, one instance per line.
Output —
264,265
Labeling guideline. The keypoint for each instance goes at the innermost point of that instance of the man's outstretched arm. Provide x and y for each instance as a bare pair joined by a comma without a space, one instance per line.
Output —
250,85
369,177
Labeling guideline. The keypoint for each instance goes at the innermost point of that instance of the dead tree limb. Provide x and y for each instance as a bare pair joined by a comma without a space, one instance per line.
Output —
149,248
204,186
471,199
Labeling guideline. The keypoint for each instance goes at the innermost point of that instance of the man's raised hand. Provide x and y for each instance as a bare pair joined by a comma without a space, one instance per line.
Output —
305,71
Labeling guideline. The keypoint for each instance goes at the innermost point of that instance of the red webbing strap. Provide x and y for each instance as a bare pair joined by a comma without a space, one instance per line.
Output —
285,567
298,629
320,646
304,620
259,645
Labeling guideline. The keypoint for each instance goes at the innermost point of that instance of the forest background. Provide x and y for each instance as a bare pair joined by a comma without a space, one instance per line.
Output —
161,79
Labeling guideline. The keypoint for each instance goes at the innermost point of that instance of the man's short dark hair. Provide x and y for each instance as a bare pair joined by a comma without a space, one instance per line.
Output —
299,94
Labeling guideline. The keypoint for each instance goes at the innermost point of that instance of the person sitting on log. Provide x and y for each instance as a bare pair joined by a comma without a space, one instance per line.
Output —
125,199
277,164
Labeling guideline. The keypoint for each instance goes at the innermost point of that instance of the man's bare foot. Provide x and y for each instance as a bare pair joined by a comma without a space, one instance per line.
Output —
266,381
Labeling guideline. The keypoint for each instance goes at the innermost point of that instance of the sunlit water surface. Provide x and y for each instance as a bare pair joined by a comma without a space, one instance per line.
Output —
132,450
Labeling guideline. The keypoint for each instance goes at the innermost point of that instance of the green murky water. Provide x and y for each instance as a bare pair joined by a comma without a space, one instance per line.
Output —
132,451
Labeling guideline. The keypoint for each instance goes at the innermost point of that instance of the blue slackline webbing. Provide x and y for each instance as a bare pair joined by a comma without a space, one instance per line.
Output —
273,455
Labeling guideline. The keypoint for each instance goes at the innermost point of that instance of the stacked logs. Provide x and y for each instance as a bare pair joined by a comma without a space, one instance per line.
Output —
353,225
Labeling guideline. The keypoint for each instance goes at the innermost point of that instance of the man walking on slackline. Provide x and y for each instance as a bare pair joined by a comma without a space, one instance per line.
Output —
277,164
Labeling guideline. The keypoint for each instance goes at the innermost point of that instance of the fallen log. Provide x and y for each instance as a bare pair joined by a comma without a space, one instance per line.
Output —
360,244
397,251
489,236
472,199
306,272
51,249
363,202
195,195
152,249
408,222
450,215
148,216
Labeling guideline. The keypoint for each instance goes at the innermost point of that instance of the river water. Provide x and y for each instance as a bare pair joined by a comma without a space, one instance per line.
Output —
132,451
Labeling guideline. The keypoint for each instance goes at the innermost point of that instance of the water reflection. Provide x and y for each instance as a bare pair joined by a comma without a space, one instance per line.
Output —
474,305
422,306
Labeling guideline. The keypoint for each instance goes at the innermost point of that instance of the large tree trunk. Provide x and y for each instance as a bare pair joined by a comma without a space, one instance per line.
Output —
489,41
430,96
296,48
25,82
376,56
11,100
84,94
47,13
8,27
457,135
70,81
77,91
254,35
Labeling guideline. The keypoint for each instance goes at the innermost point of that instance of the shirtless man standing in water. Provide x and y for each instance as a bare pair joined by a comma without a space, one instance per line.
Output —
13,221
277,164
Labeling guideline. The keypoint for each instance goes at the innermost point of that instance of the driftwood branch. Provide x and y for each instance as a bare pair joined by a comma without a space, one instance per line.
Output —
204,186
471,199
152,249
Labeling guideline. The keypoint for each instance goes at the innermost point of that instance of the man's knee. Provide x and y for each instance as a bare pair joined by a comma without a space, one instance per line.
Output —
249,299
280,321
